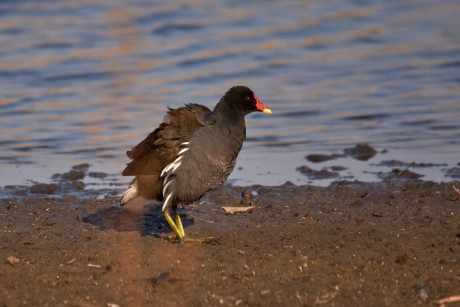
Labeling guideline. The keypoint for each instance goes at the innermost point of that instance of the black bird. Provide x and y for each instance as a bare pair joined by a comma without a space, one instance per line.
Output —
193,151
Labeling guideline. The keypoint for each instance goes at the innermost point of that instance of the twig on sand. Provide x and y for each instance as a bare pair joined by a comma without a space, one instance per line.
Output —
71,261
450,299
456,189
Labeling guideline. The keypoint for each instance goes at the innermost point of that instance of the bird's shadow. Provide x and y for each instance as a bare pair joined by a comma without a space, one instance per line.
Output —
148,220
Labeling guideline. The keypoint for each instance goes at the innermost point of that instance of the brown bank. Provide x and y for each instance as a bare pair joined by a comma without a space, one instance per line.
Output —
395,243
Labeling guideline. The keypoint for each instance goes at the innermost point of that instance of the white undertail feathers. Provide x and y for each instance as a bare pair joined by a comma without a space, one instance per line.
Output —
131,193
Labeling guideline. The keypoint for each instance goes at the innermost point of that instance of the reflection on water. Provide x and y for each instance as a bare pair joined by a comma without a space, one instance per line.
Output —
82,81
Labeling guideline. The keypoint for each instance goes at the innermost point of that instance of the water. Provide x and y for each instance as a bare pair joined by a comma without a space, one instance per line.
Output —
83,81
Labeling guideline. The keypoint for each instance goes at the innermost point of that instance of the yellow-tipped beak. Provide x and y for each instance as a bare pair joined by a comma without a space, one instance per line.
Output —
261,107
267,111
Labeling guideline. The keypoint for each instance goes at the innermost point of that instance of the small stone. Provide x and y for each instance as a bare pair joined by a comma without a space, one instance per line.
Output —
318,158
361,152
12,260
44,188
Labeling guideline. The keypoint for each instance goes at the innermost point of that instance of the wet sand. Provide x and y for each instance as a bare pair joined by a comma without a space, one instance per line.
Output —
394,243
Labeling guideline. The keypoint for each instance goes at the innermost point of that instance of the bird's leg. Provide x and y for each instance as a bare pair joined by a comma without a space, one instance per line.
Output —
178,220
180,234
177,226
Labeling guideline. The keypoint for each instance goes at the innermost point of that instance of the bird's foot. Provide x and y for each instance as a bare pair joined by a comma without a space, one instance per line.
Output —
210,240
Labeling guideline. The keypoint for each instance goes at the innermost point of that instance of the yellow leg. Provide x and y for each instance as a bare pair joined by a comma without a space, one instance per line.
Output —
178,220
180,235
178,228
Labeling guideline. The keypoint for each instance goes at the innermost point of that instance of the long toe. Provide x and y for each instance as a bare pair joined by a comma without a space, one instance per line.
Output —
209,240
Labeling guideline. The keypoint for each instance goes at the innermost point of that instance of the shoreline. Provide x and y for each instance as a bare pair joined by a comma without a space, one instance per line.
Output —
352,243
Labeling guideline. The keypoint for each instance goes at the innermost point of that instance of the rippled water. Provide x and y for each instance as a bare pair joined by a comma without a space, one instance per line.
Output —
82,81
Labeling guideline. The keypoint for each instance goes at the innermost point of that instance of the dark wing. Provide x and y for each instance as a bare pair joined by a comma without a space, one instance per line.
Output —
161,146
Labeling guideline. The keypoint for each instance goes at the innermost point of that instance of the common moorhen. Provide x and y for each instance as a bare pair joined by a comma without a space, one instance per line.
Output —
193,151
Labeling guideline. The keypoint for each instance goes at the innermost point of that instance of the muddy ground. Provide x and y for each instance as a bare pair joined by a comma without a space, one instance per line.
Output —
395,243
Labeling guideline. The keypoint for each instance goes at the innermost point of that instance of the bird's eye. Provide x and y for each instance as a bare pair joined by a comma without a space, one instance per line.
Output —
247,99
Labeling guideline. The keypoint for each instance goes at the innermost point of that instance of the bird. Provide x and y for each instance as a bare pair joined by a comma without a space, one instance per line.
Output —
192,152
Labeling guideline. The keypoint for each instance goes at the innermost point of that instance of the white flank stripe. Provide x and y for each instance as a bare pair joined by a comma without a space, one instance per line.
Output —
176,166
185,144
166,169
182,151
166,186
171,167
166,202
179,159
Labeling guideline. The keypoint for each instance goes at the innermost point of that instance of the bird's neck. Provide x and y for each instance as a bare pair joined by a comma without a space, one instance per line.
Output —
227,114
